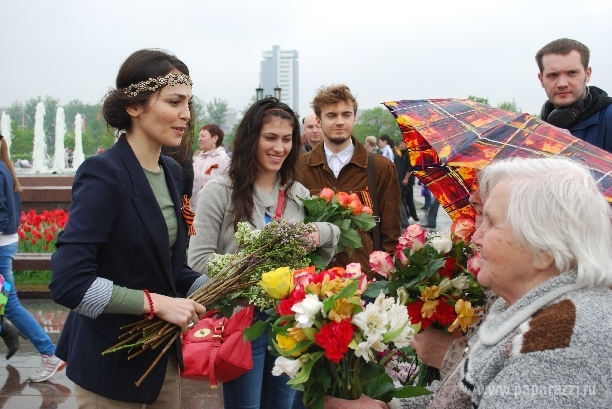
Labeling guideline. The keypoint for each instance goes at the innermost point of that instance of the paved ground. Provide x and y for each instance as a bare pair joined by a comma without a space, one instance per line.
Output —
58,393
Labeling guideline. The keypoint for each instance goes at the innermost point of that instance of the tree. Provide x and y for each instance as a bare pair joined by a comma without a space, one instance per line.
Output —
215,112
478,99
229,137
376,121
509,106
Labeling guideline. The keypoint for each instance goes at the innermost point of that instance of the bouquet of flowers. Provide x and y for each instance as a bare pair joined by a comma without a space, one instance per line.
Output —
282,241
429,274
345,211
326,339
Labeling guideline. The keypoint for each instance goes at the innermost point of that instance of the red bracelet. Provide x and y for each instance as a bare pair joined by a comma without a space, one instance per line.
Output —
152,313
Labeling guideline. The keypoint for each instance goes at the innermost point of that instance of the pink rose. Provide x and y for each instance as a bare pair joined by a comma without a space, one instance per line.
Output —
363,283
381,263
462,229
474,263
327,194
302,277
413,237
400,255
353,270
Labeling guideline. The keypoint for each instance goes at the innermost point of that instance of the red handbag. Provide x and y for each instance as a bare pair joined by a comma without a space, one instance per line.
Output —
214,348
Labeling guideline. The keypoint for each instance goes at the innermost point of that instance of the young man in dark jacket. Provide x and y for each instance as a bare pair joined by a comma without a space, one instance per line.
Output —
585,111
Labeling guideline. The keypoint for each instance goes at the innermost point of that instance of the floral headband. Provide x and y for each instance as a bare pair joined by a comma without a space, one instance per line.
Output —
153,84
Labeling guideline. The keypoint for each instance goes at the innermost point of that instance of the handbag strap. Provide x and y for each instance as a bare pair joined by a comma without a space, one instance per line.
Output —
374,196
280,204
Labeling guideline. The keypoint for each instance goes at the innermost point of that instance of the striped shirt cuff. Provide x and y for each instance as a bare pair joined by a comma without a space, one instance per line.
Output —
197,284
96,298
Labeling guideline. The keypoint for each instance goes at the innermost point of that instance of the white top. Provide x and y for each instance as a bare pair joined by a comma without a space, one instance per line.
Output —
336,161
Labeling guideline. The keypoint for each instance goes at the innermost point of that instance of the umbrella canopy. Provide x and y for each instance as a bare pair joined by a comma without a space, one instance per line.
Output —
450,139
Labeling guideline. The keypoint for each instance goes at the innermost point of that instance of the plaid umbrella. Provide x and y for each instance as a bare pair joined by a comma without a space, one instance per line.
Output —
450,139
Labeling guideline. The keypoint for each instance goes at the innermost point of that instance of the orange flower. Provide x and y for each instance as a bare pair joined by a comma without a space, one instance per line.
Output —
327,194
343,198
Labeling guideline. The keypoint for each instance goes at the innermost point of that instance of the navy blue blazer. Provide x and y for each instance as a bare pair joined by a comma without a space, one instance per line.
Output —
116,230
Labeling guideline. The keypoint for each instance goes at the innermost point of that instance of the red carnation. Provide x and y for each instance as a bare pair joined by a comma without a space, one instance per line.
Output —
416,316
448,269
445,313
335,338
296,296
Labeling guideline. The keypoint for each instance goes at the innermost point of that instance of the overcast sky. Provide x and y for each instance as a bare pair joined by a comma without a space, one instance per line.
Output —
383,50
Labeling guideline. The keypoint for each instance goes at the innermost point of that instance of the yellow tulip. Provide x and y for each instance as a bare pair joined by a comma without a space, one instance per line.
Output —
278,283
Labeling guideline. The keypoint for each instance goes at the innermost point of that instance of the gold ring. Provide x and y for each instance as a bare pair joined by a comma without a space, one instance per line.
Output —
190,326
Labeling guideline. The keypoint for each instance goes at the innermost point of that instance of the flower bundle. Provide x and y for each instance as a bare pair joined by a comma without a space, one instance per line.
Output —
345,211
38,232
431,275
326,339
281,240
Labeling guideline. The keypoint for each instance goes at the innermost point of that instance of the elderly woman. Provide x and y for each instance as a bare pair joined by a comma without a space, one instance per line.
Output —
546,243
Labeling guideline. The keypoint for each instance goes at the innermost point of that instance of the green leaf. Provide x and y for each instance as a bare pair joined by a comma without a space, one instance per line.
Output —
364,221
378,386
310,333
411,391
254,331
304,373
316,260
348,291
375,288
350,239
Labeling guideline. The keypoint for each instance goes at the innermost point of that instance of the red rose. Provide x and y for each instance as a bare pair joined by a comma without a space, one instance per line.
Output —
335,338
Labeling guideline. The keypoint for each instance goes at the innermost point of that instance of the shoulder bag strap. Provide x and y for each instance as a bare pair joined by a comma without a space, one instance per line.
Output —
374,196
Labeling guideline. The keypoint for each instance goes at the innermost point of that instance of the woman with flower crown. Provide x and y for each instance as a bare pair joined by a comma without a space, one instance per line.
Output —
258,187
122,252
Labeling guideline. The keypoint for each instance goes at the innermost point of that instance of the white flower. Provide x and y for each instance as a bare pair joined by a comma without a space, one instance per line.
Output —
306,310
385,303
282,365
373,321
398,320
363,351
441,243
461,282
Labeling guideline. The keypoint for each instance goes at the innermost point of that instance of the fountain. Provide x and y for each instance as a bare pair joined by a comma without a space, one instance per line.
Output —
38,156
60,131
5,129
78,157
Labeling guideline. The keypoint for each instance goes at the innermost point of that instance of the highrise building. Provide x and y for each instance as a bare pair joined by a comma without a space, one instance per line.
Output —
280,68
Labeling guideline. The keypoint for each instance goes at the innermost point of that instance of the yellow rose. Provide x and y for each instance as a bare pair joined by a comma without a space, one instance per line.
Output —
278,283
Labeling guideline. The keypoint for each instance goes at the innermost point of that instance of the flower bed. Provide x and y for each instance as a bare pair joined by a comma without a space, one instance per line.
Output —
38,232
